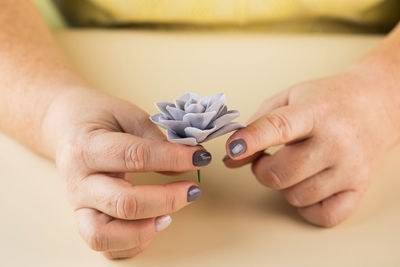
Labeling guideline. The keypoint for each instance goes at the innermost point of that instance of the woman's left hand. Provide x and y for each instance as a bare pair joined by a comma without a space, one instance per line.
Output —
334,131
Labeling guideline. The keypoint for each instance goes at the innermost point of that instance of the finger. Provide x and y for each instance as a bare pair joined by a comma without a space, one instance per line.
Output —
103,233
281,126
138,124
230,163
120,199
277,101
332,210
121,152
317,188
292,164
124,254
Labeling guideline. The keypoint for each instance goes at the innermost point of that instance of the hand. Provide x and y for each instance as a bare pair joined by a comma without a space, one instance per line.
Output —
334,131
100,139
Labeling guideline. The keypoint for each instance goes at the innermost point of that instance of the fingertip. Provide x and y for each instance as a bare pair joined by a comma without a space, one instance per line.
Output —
201,158
185,193
183,158
194,192
162,222
242,143
225,158
236,148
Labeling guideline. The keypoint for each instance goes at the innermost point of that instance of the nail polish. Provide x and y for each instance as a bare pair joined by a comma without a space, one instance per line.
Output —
193,193
201,158
237,148
162,222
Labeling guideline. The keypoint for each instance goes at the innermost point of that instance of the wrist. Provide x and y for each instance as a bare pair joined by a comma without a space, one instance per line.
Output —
381,83
59,119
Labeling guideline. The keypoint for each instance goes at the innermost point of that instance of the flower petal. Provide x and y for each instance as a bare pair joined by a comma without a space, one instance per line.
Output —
226,129
192,119
188,96
162,107
199,134
219,123
190,102
180,104
200,120
177,126
227,117
218,98
217,103
222,111
176,113
156,119
173,137
195,108
205,101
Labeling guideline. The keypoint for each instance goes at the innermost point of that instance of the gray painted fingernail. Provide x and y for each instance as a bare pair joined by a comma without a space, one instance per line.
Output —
237,148
193,193
201,158
225,158
162,222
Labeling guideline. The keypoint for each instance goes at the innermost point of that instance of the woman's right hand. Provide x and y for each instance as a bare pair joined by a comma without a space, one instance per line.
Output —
98,139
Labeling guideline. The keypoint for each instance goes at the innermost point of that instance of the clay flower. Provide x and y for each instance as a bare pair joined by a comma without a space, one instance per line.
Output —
192,120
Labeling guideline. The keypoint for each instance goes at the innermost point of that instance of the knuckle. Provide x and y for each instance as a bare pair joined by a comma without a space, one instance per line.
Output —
136,157
74,150
280,124
274,178
171,203
67,153
73,194
72,186
126,206
293,198
96,238
175,157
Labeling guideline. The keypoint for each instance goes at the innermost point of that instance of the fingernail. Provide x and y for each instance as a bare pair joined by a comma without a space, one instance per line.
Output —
225,158
193,193
162,222
201,158
237,148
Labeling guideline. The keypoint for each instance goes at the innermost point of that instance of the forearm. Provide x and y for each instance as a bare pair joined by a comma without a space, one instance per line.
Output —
33,73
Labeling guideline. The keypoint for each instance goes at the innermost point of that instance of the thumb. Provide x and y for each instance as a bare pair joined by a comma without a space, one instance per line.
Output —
281,126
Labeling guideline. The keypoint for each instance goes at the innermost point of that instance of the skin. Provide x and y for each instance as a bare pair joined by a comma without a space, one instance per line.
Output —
93,138
334,133
96,139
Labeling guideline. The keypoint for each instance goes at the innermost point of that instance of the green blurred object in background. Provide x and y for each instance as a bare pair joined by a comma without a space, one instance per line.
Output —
50,14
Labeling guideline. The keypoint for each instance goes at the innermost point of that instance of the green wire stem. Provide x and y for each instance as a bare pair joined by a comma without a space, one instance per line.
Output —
198,176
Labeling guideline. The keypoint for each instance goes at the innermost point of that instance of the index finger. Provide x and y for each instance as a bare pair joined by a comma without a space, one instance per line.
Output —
281,126
122,152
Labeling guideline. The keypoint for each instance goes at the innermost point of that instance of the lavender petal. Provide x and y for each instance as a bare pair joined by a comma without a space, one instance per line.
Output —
173,137
199,120
176,113
225,129
162,107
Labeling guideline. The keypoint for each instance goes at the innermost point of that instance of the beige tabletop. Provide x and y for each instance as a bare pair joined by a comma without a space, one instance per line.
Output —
237,222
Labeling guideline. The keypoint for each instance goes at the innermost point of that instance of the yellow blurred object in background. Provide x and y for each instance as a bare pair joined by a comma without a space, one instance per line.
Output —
296,15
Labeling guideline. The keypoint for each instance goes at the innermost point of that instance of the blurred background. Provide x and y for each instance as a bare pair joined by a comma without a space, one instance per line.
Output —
339,16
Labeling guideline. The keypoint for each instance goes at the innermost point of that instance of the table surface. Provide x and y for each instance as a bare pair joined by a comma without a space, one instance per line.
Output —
237,222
